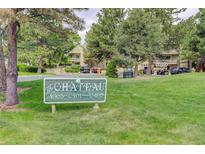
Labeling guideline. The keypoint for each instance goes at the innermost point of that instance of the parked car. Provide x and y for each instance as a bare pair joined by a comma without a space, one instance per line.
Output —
162,72
85,69
179,70
96,69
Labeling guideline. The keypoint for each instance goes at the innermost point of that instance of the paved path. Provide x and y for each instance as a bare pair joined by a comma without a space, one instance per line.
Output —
39,77
31,78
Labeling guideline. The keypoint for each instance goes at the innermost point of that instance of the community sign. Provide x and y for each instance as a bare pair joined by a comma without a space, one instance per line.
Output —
74,90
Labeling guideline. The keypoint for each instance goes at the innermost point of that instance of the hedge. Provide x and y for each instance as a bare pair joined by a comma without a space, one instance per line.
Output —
26,68
73,69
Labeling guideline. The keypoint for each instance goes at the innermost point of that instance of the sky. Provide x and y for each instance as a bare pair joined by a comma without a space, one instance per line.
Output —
90,17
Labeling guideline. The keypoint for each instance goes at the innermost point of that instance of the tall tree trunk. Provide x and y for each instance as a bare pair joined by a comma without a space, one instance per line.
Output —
39,70
2,66
149,68
190,64
12,74
136,69
39,66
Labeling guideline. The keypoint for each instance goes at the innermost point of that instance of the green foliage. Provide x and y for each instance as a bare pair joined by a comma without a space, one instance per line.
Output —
141,72
199,39
26,68
61,46
143,33
185,31
53,19
168,17
140,36
73,69
111,70
122,62
41,47
192,44
100,38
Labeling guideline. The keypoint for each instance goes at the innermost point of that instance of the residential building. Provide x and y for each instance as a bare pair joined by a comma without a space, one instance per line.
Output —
168,59
76,56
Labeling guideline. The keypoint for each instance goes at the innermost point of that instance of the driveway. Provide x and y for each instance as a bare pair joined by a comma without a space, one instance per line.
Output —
39,77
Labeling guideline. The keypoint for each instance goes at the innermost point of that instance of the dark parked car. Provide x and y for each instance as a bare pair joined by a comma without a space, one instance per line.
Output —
85,69
179,70
162,72
96,69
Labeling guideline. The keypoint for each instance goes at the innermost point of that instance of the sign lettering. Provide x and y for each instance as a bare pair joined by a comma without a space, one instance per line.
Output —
72,90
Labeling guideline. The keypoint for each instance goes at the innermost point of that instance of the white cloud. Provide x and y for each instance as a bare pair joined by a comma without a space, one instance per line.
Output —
188,13
90,17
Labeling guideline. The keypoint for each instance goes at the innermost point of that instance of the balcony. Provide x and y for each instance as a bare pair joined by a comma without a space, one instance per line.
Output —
175,61
74,59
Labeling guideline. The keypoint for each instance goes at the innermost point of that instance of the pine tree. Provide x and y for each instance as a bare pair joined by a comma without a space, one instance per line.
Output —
53,19
100,39
140,36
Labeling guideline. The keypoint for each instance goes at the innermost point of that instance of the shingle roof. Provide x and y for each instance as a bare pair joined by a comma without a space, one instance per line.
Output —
77,49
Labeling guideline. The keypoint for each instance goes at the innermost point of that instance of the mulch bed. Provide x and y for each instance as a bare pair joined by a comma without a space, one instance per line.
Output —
20,89
6,108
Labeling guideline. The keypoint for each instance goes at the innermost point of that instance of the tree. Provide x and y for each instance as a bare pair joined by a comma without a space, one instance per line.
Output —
140,36
169,18
2,64
3,23
200,39
111,70
39,46
61,46
100,39
11,95
189,56
192,42
186,30
32,45
53,19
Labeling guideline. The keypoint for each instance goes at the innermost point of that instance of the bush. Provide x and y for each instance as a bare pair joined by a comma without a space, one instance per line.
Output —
73,69
140,72
26,68
123,62
111,70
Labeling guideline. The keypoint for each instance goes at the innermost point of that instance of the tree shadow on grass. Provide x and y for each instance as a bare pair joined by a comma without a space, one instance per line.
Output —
72,106
41,107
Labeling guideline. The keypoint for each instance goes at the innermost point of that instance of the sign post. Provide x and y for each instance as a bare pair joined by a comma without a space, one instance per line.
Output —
75,90
96,107
53,108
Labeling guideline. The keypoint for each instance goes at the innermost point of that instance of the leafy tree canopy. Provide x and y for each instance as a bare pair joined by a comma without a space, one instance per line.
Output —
50,48
140,35
100,39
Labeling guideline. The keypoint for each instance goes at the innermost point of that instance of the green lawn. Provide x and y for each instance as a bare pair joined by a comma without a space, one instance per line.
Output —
161,110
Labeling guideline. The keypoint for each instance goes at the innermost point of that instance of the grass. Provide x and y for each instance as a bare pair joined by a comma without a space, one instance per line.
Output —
161,110
32,73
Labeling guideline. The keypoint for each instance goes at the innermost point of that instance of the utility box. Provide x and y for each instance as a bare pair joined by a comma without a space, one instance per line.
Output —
128,74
